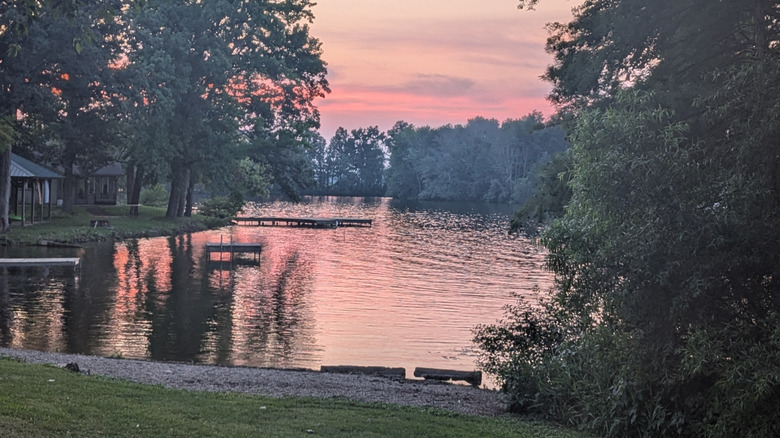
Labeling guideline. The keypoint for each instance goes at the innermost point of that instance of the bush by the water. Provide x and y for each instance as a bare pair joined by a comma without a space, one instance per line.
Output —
222,206
665,318
154,196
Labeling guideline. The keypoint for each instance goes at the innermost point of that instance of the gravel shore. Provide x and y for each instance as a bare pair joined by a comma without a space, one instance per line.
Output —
280,383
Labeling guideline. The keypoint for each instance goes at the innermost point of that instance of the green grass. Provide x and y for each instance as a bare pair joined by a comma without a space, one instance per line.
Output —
46,401
75,227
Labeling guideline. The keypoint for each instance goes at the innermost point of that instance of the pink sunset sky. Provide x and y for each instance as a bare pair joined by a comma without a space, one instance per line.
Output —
433,62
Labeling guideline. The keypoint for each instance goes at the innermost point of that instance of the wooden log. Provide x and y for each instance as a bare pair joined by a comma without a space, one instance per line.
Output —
373,371
472,377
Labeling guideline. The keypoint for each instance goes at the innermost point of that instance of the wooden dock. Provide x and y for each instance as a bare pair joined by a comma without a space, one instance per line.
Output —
233,248
74,262
306,222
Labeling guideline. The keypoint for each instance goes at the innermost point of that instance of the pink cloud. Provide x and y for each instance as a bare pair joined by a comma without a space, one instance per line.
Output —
362,107
433,62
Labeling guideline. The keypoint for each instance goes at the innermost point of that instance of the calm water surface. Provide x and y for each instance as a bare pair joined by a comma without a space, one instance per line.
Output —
405,292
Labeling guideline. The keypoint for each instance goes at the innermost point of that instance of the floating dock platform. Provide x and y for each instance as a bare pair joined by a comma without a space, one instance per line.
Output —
233,248
306,222
73,262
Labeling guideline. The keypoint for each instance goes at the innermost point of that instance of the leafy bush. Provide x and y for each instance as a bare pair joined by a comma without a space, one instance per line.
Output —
664,320
550,368
154,196
666,257
222,206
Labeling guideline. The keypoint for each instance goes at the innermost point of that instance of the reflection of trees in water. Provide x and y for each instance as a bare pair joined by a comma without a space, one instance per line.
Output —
32,308
5,308
132,268
179,325
88,307
157,298
264,321
139,298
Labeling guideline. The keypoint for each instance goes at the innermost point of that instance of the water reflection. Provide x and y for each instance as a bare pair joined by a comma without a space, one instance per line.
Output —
39,312
405,292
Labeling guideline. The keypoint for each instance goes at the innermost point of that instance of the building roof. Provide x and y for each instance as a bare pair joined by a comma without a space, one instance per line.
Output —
113,169
24,168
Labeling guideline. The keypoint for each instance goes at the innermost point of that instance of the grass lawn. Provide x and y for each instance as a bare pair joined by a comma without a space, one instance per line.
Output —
46,401
75,228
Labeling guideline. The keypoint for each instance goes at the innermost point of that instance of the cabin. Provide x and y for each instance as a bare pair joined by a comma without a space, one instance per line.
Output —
32,190
100,187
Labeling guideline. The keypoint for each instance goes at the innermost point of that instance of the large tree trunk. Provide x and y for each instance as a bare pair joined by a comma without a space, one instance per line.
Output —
178,187
173,198
190,189
68,187
129,181
5,189
134,188
184,192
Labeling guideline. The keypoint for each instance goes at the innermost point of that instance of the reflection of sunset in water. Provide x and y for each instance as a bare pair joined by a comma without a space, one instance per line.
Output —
405,292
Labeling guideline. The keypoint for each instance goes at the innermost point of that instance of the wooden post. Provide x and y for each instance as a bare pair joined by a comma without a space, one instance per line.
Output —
231,258
397,373
51,197
32,202
24,190
472,377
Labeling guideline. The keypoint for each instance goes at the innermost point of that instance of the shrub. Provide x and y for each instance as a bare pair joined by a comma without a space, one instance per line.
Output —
222,206
154,196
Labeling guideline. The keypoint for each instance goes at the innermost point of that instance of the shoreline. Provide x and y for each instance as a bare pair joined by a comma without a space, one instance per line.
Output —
273,382
76,229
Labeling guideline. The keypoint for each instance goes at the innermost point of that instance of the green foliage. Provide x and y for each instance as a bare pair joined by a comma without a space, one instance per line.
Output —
251,177
285,158
222,206
7,133
551,194
528,331
155,196
202,86
66,92
352,164
483,161
666,258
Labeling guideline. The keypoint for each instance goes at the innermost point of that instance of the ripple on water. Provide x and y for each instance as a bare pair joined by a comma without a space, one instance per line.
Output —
405,292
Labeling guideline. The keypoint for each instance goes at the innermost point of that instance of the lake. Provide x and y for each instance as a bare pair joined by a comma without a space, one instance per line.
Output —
405,292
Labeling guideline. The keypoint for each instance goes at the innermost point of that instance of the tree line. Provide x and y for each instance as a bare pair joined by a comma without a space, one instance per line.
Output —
665,317
482,161
218,93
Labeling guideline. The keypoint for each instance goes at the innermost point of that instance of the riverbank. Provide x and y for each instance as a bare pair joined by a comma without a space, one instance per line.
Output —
104,223
279,382
43,401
